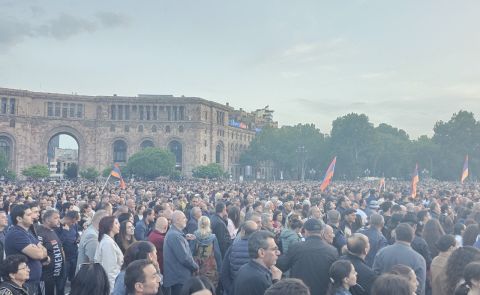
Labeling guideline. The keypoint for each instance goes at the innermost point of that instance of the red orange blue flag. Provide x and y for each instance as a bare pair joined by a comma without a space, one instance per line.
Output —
117,174
328,175
465,170
415,180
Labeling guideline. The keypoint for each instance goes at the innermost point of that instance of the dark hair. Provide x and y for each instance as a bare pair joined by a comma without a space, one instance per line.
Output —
403,271
432,231
72,215
445,242
276,213
10,265
404,233
339,270
134,274
288,287
470,234
195,284
471,272
357,243
136,251
17,211
123,217
258,240
219,207
390,284
457,229
105,226
121,239
90,279
147,212
234,215
296,223
456,264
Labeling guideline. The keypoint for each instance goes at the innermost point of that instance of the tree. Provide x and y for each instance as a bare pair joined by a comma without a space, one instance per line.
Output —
71,172
209,171
36,172
90,173
151,163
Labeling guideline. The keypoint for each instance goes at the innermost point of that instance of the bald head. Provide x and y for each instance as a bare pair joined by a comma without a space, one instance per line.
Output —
161,224
249,227
179,220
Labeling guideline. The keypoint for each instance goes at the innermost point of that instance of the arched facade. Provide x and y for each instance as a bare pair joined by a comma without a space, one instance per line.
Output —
146,143
120,148
176,148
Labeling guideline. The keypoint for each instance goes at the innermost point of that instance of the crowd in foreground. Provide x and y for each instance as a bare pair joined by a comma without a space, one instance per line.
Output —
201,237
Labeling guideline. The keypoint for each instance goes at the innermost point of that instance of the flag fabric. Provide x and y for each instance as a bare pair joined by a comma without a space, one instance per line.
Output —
381,184
328,175
415,180
465,170
117,174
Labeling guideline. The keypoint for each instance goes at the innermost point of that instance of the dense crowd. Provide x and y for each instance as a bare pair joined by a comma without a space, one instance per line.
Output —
206,237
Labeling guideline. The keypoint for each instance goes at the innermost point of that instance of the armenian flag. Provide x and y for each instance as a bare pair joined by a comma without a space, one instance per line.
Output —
415,180
328,175
465,170
117,174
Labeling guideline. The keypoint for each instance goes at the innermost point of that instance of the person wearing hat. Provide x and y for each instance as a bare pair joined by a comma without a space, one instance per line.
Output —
310,261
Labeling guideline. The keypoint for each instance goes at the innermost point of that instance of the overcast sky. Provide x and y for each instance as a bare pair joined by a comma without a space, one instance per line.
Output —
407,63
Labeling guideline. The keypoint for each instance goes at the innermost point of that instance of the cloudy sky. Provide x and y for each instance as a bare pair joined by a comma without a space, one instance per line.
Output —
407,63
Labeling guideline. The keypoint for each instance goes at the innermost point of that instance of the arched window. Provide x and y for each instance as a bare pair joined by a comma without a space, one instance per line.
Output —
6,148
154,128
176,148
119,151
219,154
146,144
140,128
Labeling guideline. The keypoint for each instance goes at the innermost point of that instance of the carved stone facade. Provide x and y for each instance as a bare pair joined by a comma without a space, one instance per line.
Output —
110,129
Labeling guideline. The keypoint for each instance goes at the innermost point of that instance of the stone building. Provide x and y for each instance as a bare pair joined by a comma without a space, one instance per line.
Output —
110,129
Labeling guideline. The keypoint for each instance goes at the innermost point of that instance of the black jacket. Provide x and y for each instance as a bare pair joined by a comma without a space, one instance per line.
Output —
365,275
219,228
252,279
10,288
310,261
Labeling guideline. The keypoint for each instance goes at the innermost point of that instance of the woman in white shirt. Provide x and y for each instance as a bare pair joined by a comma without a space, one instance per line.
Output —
108,253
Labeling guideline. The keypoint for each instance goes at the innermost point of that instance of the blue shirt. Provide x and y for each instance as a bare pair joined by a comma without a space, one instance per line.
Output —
16,240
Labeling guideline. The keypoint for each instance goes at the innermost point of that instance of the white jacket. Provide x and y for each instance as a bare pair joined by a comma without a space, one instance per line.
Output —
110,256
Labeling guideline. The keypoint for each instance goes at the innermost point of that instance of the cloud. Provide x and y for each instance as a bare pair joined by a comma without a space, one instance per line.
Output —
376,75
62,27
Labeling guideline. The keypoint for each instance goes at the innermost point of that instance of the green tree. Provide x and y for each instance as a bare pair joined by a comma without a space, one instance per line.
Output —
90,173
36,172
106,171
210,171
151,163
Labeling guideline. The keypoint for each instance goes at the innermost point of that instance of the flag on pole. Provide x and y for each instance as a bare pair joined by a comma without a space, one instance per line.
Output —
117,174
381,185
465,170
415,180
328,175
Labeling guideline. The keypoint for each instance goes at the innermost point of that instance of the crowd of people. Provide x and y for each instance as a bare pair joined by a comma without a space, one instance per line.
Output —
206,237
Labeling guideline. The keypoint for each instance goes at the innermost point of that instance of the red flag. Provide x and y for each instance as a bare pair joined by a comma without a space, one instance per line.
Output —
415,180
117,174
465,170
328,175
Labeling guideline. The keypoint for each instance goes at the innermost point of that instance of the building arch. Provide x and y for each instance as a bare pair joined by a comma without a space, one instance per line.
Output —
68,130
7,147
119,149
175,146
146,143
219,153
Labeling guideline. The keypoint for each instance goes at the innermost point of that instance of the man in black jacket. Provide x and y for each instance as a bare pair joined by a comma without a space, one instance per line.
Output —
358,247
219,227
310,261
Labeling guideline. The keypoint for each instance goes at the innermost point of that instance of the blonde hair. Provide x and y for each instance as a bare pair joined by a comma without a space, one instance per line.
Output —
204,228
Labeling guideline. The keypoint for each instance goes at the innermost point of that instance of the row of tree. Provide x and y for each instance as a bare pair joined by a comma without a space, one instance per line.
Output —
363,149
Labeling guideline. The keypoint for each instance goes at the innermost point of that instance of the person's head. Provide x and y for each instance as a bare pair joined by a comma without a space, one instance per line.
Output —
377,221
471,275
446,243
327,234
342,274
315,212
470,234
196,213
108,226
127,229
51,218
262,247
404,233
221,209
278,216
255,217
248,228
358,244
3,219
35,210
125,216
204,228
148,215
456,263
350,215
21,215
333,217
288,287
313,227
407,273
458,229
179,220
161,224
14,268
141,277
391,284
198,286
97,217
90,279
140,250
234,215
267,221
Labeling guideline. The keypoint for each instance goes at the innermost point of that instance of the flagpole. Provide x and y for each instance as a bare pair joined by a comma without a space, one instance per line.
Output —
106,183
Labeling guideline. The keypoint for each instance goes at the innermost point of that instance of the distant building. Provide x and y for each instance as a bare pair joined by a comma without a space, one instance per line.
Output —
109,129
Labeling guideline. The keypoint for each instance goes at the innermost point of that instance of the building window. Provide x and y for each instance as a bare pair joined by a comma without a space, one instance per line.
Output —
169,113
180,129
72,111
127,128
12,123
12,106
218,154
220,118
146,144
148,112
4,105
167,129
119,151
57,109
155,114
154,128
127,112
140,110
176,148
204,157
50,109
120,112
79,110
6,148
64,110
182,113
140,128
205,115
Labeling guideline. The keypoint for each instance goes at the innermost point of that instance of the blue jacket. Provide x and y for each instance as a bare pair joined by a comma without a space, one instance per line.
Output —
141,231
212,239
238,256
178,262
377,241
